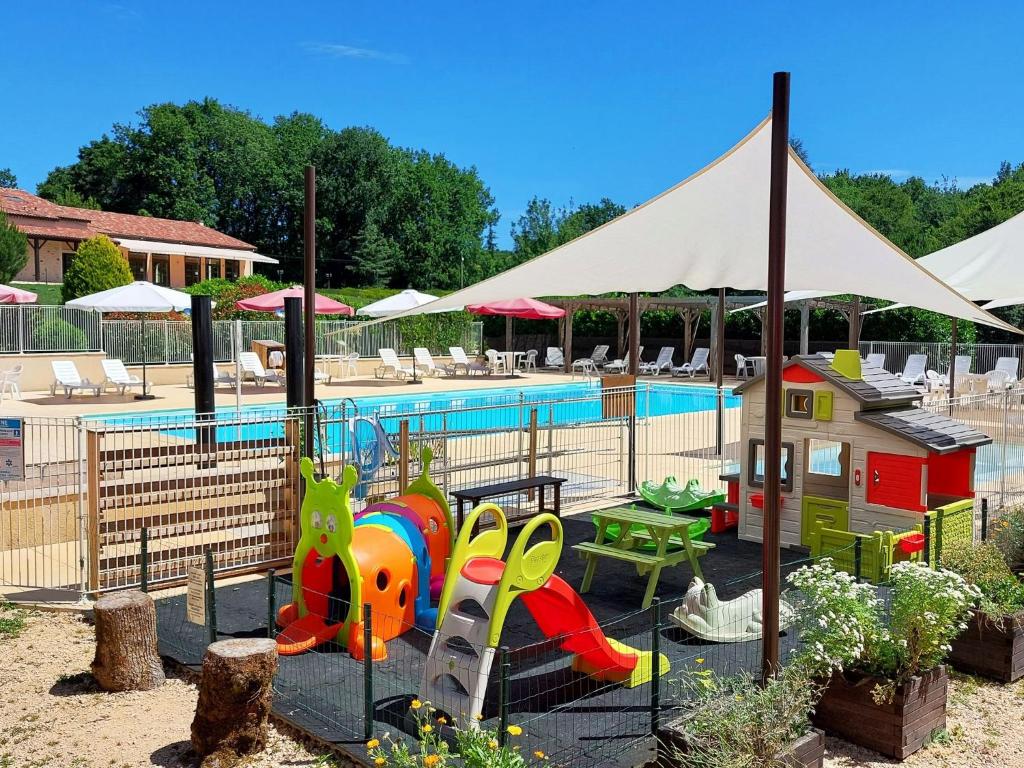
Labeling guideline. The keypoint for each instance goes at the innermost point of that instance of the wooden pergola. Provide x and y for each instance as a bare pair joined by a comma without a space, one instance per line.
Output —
689,308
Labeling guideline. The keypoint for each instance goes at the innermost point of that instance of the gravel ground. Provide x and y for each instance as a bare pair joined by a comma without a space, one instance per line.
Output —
52,714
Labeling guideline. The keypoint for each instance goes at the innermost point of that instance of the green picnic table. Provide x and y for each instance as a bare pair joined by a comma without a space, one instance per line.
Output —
656,527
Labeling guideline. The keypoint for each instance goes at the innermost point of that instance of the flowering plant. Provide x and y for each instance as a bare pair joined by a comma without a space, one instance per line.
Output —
477,747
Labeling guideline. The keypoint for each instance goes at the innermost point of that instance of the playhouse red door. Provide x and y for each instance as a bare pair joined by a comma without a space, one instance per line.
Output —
896,481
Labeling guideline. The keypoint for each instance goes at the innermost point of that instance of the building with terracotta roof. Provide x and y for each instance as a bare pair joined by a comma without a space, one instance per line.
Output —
164,251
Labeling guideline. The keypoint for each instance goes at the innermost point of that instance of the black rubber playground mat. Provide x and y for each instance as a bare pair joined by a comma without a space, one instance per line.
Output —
575,720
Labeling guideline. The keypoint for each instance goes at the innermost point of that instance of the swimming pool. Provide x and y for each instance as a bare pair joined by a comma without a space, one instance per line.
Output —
456,411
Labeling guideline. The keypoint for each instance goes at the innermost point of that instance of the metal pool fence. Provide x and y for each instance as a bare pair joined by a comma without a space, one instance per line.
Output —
32,328
983,356
91,486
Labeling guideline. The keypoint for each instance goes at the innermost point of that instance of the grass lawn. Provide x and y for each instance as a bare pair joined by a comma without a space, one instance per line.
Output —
48,293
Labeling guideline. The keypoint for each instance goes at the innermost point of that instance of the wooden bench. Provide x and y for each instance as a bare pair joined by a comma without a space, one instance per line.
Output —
540,483
659,528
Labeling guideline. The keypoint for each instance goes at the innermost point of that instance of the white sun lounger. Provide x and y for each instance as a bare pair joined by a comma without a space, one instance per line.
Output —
876,359
119,378
253,368
698,364
554,360
598,359
663,363
425,362
389,362
461,360
65,375
914,372
621,366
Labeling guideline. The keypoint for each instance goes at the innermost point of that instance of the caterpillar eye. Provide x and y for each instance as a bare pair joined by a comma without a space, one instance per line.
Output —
318,519
332,523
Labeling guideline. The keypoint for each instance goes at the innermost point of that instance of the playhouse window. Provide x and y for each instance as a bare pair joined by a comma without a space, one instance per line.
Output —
824,457
755,467
800,404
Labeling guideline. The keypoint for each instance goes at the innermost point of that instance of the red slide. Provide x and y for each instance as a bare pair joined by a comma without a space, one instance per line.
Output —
560,611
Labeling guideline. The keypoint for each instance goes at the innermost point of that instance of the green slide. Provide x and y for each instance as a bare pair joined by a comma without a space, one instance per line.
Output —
696,529
673,497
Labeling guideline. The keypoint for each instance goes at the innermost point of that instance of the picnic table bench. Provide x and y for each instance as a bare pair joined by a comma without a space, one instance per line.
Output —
540,483
659,528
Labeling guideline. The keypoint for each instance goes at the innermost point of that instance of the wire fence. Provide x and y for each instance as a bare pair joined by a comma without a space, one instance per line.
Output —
983,356
41,328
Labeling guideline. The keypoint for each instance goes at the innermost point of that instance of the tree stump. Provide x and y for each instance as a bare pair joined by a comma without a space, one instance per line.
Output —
234,700
127,656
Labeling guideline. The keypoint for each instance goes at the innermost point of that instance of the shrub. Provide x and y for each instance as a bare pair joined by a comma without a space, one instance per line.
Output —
1008,535
97,266
13,250
736,721
984,566
226,292
56,334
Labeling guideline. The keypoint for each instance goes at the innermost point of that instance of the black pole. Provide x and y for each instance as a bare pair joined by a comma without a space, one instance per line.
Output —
211,598
271,602
202,370
144,395
309,294
655,666
144,555
294,352
720,373
773,381
634,369
504,693
984,519
367,671
953,333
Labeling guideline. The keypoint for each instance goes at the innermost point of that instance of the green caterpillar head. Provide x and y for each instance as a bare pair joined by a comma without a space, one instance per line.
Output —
326,516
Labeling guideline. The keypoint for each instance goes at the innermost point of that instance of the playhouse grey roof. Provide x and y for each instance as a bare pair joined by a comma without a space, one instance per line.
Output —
931,431
876,388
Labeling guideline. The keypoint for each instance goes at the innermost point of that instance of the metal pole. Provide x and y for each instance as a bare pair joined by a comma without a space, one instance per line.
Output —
771,534
634,369
271,601
503,694
984,519
211,598
854,341
927,540
953,332
655,665
551,434
295,353
720,372
805,327
1002,460
144,557
858,555
202,370
309,294
519,439
367,671
236,345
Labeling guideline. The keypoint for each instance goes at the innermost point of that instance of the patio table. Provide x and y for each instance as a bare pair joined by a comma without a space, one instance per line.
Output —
659,528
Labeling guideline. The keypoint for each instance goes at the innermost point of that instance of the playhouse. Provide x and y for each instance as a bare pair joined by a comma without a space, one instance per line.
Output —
858,453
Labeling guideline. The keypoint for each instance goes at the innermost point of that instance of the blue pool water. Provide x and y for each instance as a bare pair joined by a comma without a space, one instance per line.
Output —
471,410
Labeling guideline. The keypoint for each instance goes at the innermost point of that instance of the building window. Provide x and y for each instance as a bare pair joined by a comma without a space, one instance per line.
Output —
825,457
799,403
193,270
137,262
65,262
212,268
230,269
162,269
755,467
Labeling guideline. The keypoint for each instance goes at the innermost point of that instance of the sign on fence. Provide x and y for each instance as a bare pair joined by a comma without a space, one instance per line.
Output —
195,604
12,449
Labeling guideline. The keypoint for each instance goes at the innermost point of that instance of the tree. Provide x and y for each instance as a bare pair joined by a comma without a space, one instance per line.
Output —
97,266
797,145
13,250
71,198
7,179
543,227
376,257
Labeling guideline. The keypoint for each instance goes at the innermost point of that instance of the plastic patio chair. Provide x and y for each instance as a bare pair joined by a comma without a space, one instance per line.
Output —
663,363
554,360
744,367
529,361
118,376
698,363
495,362
876,359
66,376
10,382
461,360
252,367
914,371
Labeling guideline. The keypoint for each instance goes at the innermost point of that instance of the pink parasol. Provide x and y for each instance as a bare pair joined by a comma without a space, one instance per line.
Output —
272,302
524,309
9,295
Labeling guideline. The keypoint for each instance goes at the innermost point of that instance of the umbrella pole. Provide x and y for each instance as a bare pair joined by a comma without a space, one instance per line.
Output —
145,386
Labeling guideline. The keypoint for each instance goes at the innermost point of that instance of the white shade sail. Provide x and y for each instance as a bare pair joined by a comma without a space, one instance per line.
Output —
139,296
204,251
407,299
711,231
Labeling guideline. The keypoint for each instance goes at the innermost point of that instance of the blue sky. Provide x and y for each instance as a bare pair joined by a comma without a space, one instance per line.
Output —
566,100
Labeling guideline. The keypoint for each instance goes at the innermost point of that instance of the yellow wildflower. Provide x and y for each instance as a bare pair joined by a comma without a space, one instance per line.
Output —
539,754
416,704
430,760
700,661
515,730
478,717
738,697
442,720
427,728
373,743
380,761
493,743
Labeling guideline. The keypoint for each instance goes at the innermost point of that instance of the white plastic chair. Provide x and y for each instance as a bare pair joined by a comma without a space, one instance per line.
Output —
350,364
10,382
554,360
914,371
65,375
597,359
252,367
698,363
1008,366
495,362
961,366
663,363
118,377
620,366
389,362
461,360
744,367
529,361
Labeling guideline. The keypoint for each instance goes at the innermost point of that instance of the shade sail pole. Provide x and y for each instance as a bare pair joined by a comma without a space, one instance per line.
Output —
719,372
634,334
773,381
309,308
952,358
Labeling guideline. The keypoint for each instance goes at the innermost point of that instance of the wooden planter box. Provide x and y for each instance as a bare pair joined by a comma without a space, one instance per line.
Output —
896,729
807,752
991,648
